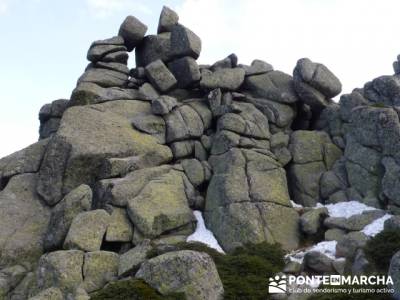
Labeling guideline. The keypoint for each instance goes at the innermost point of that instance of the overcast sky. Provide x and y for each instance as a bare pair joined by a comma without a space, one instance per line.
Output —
44,43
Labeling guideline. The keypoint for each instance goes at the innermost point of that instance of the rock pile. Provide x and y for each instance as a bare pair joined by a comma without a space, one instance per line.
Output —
121,166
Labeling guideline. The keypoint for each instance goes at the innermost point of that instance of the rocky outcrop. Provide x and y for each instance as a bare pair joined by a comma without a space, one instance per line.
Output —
191,273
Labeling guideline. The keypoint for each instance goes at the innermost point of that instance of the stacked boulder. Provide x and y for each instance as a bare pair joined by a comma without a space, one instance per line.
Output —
121,166
365,125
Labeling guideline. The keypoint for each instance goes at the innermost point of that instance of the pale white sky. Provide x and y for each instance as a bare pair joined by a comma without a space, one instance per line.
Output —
44,43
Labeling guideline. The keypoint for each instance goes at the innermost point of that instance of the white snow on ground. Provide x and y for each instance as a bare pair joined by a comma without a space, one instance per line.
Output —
337,210
376,226
346,209
202,234
296,205
326,247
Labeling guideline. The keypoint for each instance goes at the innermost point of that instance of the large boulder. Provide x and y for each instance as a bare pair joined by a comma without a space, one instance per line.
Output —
313,154
132,31
192,273
161,206
23,221
26,160
168,18
225,79
275,85
246,198
317,76
61,269
99,268
87,230
87,136
75,202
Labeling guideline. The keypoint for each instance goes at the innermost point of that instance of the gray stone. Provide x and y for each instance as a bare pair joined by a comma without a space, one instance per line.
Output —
250,122
186,71
10,278
318,76
311,221
293,267
96,52
54,109
339,265
279,140
275,85
48,128
61,269
257,67
26,160
310,96
132,31
163,105
361,264
306,146
105,78
304,182
152,48
114,66
225,79
120,57
152,125
91,93
119,190
318,262
183,123
87,230
161,206
168,18
51,293
182,149
227,63
119,228
75,202
189,272
393,223
394,272
130,261
390,180
194,171
355,222
99,268
75,156
119,167
246,197
334,234
23,221
350,101
329,184
277,113
350,243
115,40
149,91
160,76
336,197
184,42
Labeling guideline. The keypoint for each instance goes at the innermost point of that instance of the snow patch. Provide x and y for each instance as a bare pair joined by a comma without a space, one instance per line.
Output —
376,226
203,235
326,247
295,205
346,209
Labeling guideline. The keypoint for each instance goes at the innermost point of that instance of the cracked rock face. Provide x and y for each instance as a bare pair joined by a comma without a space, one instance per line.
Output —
121,166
